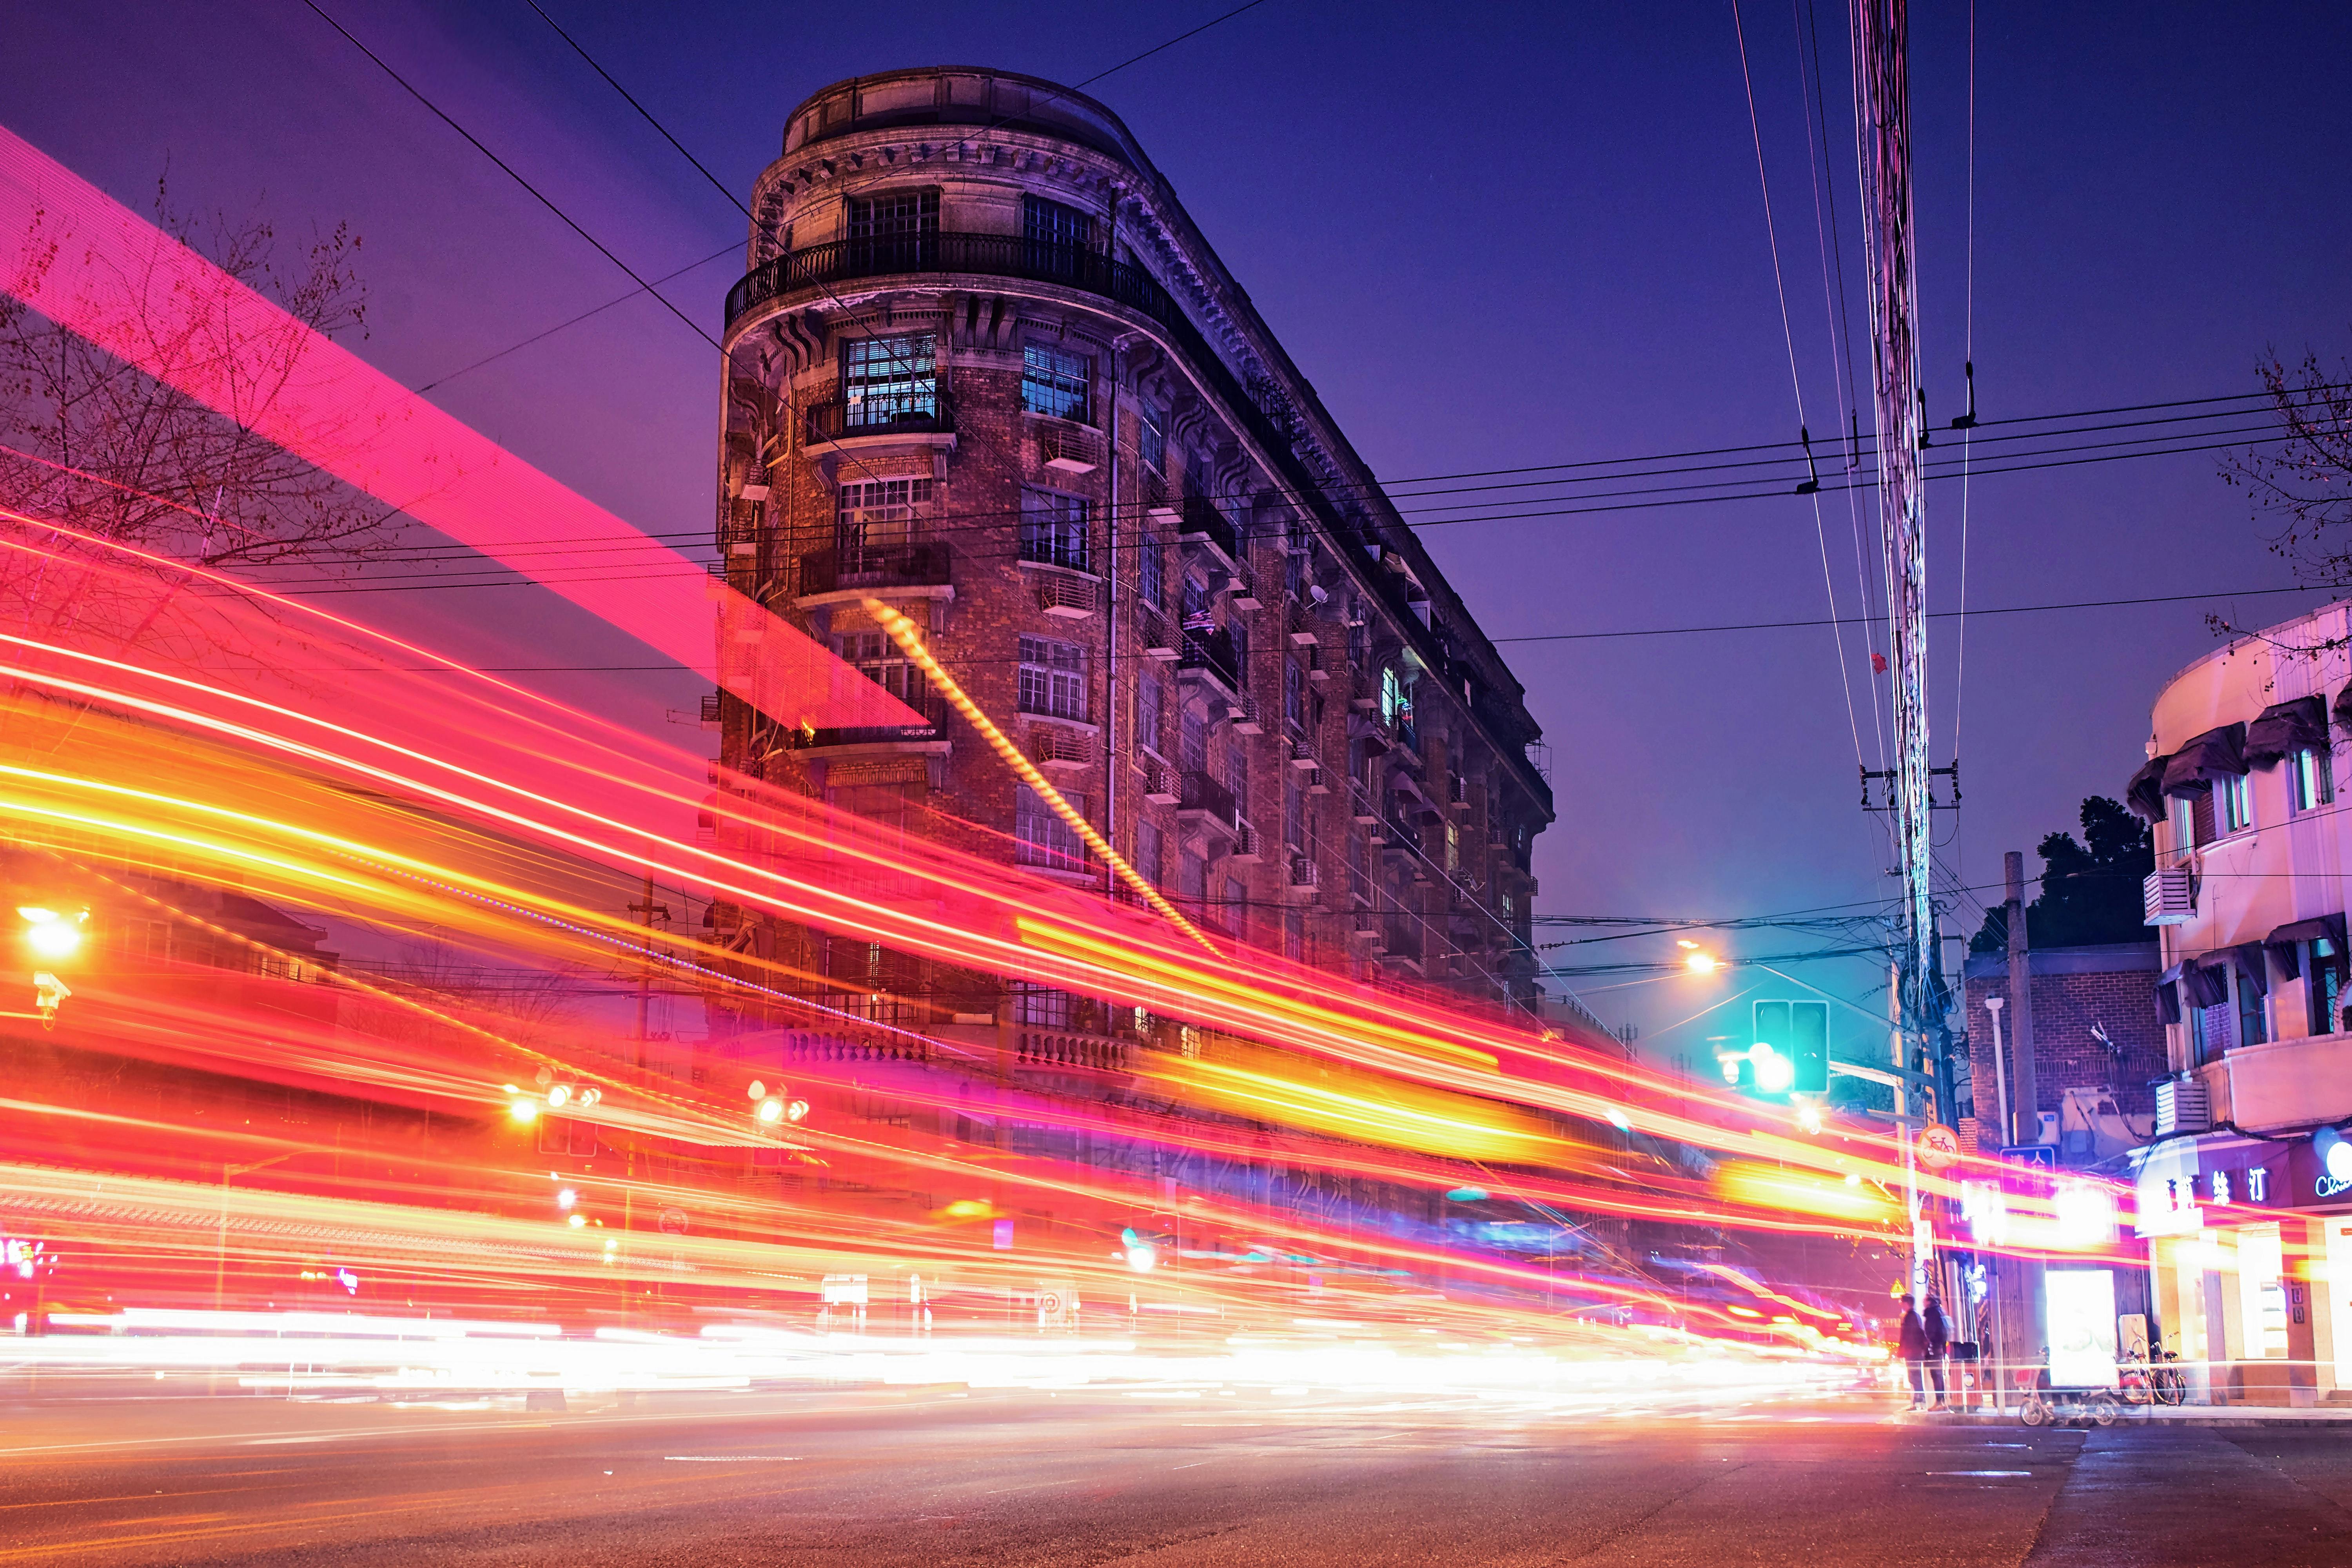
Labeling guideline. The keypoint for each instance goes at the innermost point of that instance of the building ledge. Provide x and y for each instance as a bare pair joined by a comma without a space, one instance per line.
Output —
943,592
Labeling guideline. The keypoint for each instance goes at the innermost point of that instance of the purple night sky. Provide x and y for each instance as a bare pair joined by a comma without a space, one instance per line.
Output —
1492,236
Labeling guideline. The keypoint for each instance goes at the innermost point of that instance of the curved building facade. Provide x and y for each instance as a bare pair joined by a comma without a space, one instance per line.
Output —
983,367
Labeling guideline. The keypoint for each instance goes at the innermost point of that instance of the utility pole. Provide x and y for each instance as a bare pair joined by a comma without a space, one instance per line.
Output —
2028,1126
1883,124
648,909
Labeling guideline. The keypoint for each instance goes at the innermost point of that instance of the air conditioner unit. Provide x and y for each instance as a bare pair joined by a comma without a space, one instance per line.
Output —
2170,896
2182,1105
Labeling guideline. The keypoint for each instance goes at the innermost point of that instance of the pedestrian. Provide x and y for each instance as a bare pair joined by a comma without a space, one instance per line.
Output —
1939,1342
1911,1345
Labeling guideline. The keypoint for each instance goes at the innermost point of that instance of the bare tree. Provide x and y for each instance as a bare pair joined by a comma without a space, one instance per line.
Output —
2304,481
93,442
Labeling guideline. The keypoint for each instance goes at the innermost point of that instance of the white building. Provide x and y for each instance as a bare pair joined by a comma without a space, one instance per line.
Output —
2249,1219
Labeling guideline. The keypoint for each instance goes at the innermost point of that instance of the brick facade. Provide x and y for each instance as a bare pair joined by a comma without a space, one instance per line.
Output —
1383,803
2073,989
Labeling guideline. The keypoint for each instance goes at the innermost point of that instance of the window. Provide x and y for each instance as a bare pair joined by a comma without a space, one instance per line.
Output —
1294,935
2199,1034
1040,1007
1294,694
1191,876
1152,573
1147,851
1054,223
2314,778
886,381
1192,743
1151,711
1054,679
1192,601
1294,816
1359,859
1236,901
2251,1028
1043,838
2325,968
1237,778
1453,848
1053,529
878,514
894,215
878,658
1392,695
2233,804
1055,383
1151,436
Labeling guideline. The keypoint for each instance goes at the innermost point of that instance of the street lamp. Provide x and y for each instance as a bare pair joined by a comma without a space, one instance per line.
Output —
1696,961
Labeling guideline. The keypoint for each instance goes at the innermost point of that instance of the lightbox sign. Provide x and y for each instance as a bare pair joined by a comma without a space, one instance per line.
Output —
2080,1308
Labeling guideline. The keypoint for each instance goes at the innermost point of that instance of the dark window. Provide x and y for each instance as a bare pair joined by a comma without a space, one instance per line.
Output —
1237,778
1152,573
1151,437
1054,679
1053,529
2250,1030
1150,697
1294,694
1147,851
894,215
880,515
1055,381
1294,817
2327,972
1043,838
1192,743
888,381
879,660
1052,223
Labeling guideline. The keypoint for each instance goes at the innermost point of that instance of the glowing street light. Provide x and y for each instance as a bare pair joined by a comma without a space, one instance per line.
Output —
50,933
1696,961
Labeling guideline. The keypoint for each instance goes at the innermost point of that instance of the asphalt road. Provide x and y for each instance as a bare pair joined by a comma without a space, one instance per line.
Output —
879,1477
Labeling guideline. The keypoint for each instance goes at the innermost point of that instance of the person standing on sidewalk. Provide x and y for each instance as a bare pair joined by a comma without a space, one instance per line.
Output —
1911,1345
1939,1340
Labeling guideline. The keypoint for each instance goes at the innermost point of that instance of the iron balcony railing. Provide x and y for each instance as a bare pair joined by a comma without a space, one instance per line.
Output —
1199,520
872,566
926,704
1202,793
1212,654
929,413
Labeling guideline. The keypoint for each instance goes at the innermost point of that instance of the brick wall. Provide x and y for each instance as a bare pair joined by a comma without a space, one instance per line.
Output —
2073,989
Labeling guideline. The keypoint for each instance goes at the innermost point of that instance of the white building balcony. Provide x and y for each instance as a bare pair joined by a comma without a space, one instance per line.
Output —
2282,1085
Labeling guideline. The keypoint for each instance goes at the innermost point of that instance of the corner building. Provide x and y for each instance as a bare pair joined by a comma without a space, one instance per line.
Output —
984,368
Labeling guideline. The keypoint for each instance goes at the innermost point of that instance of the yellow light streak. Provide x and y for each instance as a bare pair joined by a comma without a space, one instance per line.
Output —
909,637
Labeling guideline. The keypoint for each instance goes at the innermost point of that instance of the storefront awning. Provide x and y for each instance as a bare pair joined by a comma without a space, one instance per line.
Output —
2214,753
2167,998
2205,986
2145,794
2285,727
2325,935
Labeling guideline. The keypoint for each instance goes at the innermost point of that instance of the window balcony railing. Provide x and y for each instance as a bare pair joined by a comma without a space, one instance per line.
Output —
1211,655
1204,798
1200,523
1057,550
927,704
874,566
926,414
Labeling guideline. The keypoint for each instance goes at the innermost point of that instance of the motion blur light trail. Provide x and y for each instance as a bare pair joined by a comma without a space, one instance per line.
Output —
97,269
183,746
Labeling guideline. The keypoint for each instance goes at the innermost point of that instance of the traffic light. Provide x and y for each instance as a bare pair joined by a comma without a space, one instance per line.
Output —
1790,1054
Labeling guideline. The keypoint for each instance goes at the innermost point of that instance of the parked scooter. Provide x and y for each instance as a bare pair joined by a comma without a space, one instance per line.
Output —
2045,1404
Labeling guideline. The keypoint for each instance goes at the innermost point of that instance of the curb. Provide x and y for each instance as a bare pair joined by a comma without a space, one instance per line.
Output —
2175,1415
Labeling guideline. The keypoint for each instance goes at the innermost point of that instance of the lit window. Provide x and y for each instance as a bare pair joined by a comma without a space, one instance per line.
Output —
1392,695
1053,678
888,381
878,658
2314,778
1053,529
1055,383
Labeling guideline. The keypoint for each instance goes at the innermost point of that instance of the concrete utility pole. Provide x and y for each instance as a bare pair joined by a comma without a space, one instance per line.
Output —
2027,1128
1882,122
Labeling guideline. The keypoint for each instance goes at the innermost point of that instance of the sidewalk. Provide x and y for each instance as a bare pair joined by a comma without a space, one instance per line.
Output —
2155,1415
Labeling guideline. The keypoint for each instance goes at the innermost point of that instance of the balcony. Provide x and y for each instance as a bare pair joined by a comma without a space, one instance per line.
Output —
882,740
1304,878
1205,803
1243,714
1209,657
1068,448
1249,845
1064,1051
920,571
1157,634
918,415
1160,787
2282,1085
1050,746
1400,933
1067,596
1200,523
